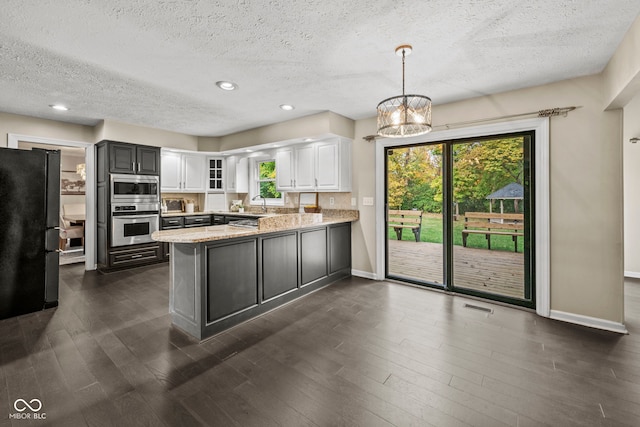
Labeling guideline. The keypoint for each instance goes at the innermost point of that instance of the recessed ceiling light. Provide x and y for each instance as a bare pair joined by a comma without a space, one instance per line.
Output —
226,85
287,107
59,107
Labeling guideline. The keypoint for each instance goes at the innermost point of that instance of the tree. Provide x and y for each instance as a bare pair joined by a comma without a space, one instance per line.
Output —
480,168
267,180
414,174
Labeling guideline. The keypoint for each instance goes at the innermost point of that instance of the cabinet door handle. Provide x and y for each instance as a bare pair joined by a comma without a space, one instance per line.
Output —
136,256
138,166
133,166
316,182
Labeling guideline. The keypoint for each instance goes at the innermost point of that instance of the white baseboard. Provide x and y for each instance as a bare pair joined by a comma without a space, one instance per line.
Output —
592,322
364,274
632,274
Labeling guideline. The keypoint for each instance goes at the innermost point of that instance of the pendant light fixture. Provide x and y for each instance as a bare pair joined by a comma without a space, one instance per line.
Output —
405,115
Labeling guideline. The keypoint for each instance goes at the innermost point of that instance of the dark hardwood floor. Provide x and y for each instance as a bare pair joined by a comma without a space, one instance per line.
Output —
358,353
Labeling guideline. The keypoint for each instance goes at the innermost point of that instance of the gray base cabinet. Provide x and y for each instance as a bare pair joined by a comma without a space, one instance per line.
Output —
135,255
313,255
340,249
279,265
216,285
232,279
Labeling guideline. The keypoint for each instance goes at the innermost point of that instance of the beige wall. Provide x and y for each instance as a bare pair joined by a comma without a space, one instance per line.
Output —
24,125
31,126
310,126
622,73
586,196
208,144
631,185
124,132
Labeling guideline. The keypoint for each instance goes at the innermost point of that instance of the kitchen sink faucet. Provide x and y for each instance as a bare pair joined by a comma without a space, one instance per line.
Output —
264,202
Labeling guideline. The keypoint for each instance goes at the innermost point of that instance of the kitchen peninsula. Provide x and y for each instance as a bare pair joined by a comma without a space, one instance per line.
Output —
222,275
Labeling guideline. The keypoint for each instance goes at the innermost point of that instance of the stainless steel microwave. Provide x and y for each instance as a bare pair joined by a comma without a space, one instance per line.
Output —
135,188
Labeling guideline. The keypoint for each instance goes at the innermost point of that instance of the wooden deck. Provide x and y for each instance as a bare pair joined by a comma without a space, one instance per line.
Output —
495,272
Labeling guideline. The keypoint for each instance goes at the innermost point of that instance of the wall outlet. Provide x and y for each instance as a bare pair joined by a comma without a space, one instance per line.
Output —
354,202
332,201
367,201
286,200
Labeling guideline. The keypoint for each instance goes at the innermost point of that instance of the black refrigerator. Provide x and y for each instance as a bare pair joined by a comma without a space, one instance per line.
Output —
29,230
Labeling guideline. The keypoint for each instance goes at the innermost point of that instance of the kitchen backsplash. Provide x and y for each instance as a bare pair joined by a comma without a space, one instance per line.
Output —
197,198
340,200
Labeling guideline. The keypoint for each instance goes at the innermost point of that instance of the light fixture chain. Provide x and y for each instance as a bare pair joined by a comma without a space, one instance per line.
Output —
402,72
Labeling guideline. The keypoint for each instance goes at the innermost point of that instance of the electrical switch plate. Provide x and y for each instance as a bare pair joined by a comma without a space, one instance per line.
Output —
367,201
353,201
286,200
332,201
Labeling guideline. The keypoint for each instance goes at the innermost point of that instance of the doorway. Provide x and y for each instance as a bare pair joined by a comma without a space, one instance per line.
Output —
459,216
77,195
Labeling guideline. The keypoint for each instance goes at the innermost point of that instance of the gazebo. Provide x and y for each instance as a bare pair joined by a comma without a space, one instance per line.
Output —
513,191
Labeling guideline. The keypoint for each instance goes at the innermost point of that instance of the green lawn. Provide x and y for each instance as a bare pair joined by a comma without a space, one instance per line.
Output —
432,232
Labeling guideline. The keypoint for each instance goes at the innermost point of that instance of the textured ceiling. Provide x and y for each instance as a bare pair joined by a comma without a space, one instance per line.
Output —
155,63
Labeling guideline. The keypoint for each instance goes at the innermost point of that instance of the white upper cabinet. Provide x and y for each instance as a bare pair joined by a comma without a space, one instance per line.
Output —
284,169
170,171
237,174
193,166
305,177
327,166
182,172
319,166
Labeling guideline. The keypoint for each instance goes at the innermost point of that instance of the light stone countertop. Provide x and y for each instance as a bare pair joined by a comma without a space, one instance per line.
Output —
268,224
172,214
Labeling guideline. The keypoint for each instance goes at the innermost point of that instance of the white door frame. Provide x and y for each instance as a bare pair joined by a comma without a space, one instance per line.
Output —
90,161
542,220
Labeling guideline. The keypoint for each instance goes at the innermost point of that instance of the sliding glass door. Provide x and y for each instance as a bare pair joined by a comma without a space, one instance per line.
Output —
459,216
414,213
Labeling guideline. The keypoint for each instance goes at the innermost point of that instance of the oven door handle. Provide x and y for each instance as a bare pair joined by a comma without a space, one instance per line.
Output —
134,216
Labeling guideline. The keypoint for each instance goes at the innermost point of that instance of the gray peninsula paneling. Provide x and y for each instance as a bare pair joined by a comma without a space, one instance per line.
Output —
232,279
279,265
313,254
220,283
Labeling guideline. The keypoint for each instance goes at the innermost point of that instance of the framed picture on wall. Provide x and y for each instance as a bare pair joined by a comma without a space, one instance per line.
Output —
71,183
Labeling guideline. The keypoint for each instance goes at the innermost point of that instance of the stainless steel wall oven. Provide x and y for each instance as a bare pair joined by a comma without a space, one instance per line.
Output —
132,224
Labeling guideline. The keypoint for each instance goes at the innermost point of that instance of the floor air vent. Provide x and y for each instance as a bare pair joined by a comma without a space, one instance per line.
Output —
477,307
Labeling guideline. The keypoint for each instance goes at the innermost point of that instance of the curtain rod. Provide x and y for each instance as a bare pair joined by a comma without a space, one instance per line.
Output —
549,112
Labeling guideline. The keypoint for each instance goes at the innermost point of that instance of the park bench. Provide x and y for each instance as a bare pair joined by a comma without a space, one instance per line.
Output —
401,219
501,224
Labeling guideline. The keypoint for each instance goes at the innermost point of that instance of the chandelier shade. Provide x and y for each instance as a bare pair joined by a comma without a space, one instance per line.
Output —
405,115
